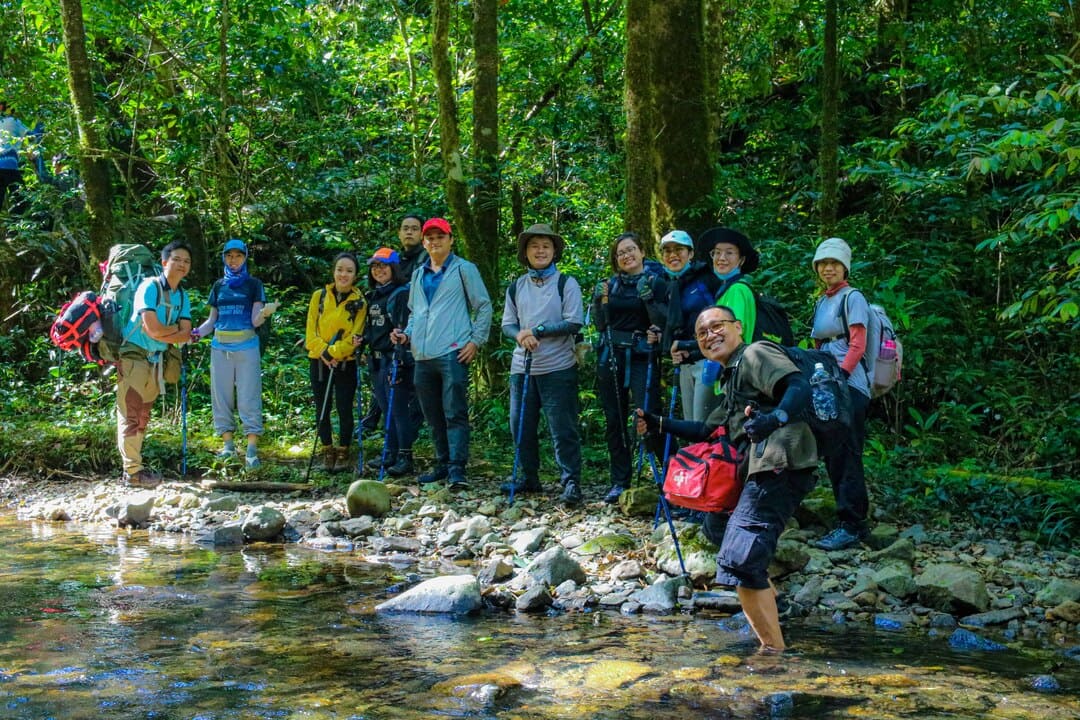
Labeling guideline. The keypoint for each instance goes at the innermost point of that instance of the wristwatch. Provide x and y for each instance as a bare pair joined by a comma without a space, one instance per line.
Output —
538,331
781,416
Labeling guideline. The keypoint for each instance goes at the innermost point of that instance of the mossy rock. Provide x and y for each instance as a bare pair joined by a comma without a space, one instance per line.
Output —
610,543
367,497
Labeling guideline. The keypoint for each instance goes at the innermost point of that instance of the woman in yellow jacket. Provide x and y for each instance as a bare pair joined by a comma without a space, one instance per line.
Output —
335,326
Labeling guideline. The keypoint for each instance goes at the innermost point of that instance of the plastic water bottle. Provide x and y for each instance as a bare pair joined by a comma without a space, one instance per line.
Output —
888,350
821,396
96,331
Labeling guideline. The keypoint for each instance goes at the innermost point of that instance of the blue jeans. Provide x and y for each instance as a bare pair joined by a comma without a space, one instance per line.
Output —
401,433
557,393
442,385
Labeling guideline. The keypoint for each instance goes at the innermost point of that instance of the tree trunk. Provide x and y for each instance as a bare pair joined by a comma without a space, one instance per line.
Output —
93,164
484,246
457,187
639,158
830,123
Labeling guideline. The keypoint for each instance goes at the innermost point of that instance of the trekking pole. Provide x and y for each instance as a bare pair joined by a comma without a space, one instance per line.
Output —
359,416
667,439
322,411
667,512
183,410
387,427
521,423
645,407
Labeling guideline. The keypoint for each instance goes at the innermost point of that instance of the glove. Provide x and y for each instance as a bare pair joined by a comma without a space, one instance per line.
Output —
644,289
761,426
652,421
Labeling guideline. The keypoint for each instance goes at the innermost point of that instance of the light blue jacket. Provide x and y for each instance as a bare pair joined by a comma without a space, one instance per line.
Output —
459,312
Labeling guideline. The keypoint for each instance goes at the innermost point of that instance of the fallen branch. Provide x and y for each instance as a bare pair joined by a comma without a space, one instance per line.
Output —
257,486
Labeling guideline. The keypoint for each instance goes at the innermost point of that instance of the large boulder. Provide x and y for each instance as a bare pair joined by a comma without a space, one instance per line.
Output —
555,566
639,501
367,497
953,588
263,523
450,594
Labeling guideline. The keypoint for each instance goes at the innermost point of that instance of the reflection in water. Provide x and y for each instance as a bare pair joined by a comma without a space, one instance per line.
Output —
94,623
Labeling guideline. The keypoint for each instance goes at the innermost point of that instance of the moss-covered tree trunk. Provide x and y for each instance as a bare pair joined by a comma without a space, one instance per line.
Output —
93,163
669,157
484,247
830,124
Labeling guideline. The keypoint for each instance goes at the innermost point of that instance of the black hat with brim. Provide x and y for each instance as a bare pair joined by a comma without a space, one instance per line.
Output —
714,236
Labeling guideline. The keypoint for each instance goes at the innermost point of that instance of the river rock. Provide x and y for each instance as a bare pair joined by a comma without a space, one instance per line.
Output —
528,541
722,601
661,597
451,594
302,522
554,566
896,579
228,534
263,523
357,527
609,542
496,570
962,639
534,600
893,621
222,503
952,588
1058,591
626,570
791,556
882,536
639,500
477,527
134,510
809,594
367,497
902,550
994,617
1068,611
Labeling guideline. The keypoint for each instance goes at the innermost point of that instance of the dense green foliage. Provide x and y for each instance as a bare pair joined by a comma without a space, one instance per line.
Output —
309,127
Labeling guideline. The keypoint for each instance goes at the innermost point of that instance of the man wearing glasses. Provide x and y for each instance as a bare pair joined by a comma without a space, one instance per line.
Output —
763,392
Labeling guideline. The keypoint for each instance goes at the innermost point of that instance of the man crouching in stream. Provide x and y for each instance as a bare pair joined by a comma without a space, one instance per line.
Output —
762,389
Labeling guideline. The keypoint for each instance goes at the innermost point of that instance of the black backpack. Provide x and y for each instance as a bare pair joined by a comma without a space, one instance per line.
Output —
772,322
833,434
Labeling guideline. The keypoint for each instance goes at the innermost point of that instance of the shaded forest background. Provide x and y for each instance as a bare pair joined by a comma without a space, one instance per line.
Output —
940,138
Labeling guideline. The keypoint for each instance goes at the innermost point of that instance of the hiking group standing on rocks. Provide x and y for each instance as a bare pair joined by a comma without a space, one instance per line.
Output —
426,314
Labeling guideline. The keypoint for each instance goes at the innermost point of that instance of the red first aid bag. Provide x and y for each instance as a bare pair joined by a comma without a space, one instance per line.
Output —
705,476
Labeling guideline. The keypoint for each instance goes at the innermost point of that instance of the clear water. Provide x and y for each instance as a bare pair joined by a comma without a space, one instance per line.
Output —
100,624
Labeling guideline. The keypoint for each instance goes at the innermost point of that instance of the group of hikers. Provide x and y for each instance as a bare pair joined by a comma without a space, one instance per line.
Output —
426,313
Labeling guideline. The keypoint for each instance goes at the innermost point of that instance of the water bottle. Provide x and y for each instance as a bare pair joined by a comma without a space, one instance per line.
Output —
821,395
888,350
96,331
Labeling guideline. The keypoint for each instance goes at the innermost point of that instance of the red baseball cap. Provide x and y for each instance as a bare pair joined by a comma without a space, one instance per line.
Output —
436,224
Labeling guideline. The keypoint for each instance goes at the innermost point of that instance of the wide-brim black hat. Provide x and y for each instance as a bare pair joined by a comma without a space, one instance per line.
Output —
542,229
714,236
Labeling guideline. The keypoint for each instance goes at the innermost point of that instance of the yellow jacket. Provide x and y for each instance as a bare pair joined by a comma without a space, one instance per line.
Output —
347,317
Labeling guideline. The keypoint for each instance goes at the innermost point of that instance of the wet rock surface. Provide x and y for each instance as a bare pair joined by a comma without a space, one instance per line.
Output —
539,557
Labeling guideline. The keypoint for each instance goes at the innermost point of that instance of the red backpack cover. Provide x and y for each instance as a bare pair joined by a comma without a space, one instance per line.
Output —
72,328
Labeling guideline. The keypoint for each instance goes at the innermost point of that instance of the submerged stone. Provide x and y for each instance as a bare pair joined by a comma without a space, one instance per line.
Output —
962,639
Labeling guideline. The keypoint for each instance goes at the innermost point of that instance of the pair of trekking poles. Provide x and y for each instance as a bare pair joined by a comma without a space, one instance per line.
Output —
324,409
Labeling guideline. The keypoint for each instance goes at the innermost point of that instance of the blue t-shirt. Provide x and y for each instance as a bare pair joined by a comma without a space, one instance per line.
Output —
234,311
171,307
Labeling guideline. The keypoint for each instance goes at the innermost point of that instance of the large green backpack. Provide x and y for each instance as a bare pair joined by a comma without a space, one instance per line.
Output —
127,266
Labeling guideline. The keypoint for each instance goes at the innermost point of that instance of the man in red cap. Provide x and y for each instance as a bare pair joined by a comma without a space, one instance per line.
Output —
450,319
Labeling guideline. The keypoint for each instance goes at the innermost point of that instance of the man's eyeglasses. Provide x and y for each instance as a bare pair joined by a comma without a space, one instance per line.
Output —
713,329
729,254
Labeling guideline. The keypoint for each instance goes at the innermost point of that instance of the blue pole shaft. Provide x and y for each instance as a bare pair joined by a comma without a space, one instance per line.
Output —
667,440
644,407
667,513
387,428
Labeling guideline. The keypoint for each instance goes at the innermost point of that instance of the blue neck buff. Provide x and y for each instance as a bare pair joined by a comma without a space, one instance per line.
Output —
678,274
540,275
236,278
728,276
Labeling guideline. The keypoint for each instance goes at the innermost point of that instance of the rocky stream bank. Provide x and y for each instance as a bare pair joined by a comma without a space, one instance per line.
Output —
468,551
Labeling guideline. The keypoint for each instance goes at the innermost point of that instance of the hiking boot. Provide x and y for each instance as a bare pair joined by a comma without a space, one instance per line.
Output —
839,539
344,461
613,494
375,463
457,478
521,486
439,472
403,466
143,479
571,494
329,458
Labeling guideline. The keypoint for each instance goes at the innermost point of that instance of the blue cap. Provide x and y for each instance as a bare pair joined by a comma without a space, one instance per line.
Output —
384,255
235,244
678,237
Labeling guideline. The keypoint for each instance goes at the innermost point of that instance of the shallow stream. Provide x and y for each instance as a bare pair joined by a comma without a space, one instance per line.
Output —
96,623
